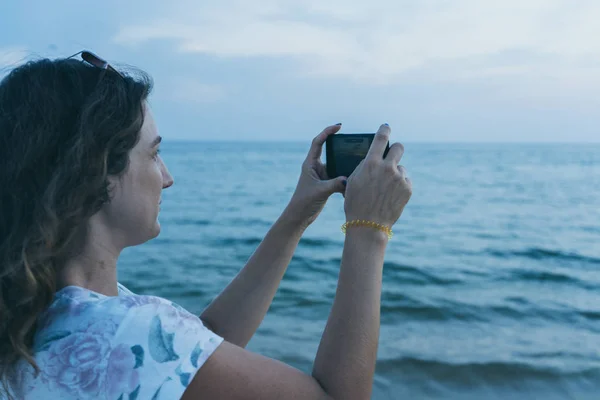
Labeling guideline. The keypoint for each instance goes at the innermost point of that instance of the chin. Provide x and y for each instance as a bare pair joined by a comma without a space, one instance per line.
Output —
156,229
150,233
144,236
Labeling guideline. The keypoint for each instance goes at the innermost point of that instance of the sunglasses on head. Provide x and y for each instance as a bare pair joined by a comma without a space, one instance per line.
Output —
92,59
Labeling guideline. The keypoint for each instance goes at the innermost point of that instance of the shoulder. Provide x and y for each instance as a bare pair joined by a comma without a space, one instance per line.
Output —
130,345
169,344
164,326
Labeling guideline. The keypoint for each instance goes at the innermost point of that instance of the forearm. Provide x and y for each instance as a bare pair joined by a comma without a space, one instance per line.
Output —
345,361
236,313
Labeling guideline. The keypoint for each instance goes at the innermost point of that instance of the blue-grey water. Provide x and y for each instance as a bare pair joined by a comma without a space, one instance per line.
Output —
491,284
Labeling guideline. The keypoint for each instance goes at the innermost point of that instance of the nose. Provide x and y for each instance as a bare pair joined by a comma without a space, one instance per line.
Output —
167,178
168,182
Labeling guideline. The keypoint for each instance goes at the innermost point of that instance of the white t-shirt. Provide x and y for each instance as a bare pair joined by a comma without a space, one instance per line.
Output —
91,346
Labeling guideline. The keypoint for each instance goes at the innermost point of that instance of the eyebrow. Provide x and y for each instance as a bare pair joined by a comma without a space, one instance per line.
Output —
156,141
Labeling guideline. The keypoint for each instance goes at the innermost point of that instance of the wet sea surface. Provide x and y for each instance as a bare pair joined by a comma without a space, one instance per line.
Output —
491,284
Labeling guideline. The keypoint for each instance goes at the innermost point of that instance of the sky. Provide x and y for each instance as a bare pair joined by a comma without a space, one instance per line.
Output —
281,70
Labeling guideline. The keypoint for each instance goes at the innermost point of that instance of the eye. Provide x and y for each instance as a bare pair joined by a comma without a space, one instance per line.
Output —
156,153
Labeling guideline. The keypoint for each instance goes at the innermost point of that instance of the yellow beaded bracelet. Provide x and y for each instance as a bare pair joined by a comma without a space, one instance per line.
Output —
370,224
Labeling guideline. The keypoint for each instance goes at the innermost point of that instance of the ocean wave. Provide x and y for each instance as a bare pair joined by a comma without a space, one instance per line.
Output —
403,274
297,304
391,312
558,355
398,306
249,222
408,274
486,235
320,243
547,277
300,266
590,315
188,222
537,253
590,229
518,300
235,242
165,240
473,373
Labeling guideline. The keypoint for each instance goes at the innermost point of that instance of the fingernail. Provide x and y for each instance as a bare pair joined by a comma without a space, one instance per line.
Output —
344,182
386,124
339,123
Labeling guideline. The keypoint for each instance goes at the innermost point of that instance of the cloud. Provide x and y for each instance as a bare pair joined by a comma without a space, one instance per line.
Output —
189,90
386,41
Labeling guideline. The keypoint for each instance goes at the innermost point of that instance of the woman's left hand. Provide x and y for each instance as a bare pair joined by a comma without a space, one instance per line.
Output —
314,186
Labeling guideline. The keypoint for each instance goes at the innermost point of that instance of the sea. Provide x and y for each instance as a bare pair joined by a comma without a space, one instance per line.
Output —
491,283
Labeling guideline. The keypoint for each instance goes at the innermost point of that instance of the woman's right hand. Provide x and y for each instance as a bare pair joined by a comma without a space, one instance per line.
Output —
378,189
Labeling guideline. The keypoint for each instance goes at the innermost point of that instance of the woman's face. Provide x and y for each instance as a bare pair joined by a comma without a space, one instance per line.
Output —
132,215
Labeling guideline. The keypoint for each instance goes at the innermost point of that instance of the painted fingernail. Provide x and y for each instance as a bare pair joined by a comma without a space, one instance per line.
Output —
386,124
345,182
339,123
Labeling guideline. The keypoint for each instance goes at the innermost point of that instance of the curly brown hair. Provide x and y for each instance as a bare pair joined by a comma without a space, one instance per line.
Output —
65,127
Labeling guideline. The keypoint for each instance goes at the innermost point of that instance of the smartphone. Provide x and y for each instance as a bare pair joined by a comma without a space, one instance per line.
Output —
344,151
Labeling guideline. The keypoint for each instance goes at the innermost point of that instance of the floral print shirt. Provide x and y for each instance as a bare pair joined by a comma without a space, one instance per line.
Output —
91,346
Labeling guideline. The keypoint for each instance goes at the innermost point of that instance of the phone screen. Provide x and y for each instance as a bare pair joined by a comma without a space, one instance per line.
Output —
346,151
353,147
349,151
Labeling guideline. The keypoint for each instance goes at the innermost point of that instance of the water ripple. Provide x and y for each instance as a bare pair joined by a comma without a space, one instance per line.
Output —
536,253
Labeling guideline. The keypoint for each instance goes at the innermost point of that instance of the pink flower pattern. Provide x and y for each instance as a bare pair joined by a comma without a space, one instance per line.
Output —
85,350
85,363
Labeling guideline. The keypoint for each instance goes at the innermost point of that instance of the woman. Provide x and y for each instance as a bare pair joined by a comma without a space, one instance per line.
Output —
81,180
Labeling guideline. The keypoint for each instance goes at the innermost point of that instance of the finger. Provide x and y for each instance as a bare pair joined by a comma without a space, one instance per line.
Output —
321,171
395,154
379,142
316,147
402,172
336,185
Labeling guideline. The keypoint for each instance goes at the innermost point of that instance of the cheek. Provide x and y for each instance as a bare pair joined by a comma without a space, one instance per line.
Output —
146,181
126,205
156,176
139,191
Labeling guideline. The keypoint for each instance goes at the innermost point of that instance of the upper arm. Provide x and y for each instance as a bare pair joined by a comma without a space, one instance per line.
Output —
233,373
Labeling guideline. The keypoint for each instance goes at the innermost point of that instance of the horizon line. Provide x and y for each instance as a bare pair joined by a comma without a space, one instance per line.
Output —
181,140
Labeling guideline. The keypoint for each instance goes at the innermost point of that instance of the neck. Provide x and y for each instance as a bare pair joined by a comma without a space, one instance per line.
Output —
95,269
